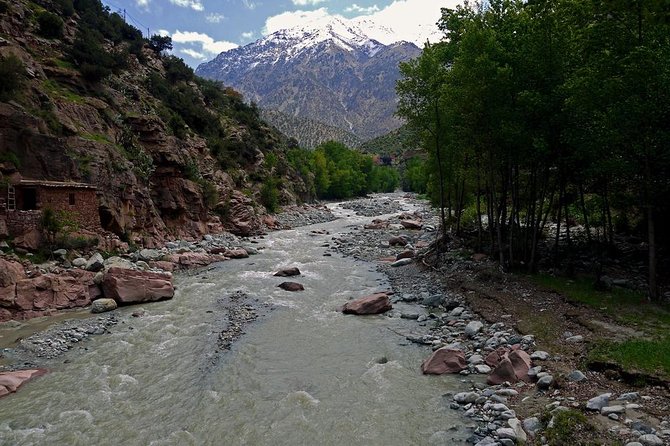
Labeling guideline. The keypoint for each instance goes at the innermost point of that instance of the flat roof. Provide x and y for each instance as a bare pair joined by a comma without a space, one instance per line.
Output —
64,184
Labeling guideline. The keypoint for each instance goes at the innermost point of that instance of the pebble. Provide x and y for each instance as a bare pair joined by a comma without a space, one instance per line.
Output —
539,355
598,402
576,376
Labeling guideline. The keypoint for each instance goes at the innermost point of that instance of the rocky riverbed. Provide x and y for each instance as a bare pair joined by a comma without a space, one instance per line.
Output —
519,404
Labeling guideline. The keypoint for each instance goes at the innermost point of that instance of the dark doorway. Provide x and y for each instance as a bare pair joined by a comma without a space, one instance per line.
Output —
29,199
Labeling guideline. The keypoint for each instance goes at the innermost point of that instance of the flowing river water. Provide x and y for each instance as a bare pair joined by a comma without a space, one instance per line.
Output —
304,375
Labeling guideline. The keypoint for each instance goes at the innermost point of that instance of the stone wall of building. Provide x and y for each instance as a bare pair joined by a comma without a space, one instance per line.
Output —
79,204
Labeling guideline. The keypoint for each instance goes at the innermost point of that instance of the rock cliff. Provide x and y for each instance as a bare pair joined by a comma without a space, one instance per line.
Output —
171,155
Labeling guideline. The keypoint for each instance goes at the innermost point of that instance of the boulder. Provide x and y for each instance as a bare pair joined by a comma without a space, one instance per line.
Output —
103,305
598,402
372,304
401,262
30,241
398,241
149,255
287,272
411,224
409,254
291,286
473,328
73,289
513,367
193,259
11,381
444,360
128,286
238,253
95,263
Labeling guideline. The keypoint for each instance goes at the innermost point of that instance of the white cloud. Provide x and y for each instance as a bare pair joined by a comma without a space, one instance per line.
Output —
195,5
290,19
193,54
207,44
214,17
144,4
307,2
163,32
361,9
413,20
250,4
247,37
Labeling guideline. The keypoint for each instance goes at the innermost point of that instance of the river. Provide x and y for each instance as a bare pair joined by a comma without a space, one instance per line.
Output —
304,374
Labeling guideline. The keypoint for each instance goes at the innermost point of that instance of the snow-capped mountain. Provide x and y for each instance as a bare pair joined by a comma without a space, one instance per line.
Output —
330,70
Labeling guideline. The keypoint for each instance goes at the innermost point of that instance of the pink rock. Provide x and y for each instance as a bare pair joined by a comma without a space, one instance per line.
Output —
11,381
129,286
409,254
372,304
494,358
398,241
411,224
194,259
164,265
291,286
444,360
513,368
236,253
10,273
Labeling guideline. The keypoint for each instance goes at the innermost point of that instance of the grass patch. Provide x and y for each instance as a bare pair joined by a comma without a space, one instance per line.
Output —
97,137
649,356
54,89
627,306
571,428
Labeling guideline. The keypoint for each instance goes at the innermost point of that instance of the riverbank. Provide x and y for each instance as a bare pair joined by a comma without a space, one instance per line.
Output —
472,307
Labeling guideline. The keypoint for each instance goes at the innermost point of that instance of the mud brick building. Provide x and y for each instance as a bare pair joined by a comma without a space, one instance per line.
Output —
22,203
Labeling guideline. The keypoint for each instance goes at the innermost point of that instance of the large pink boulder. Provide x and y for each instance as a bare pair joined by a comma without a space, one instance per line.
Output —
444,360
11,381
127,286
373,304
10,274
512,368
72,289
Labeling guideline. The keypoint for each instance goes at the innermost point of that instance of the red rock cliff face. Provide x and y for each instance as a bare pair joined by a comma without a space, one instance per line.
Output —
152,185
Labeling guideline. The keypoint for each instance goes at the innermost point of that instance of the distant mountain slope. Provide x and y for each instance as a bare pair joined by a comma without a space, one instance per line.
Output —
330,72
398,143
308,132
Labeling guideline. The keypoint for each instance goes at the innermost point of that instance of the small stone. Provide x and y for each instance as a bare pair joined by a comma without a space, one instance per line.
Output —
515,424
506,432
95,263
575,339
539,355
475,359
473,328
465,397
291,286
650,440
79,262
60,253
545,382
576,376
612,409
401,262
483,369
613,416
631,396
103,305
598,402
532,425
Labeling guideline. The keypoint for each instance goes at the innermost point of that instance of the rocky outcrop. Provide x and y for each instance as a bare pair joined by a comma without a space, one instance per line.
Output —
128,286
444,360
11,381
372,304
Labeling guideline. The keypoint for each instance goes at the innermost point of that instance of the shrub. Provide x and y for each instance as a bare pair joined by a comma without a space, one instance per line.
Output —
50,25
12,75
270,195
4,7
66,7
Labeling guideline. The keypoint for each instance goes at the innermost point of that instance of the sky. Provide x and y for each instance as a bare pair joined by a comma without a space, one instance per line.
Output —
201,29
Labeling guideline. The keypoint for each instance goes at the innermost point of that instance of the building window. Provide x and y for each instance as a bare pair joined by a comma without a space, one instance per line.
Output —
71,199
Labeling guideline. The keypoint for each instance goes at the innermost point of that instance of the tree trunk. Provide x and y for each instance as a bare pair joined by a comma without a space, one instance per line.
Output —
651,229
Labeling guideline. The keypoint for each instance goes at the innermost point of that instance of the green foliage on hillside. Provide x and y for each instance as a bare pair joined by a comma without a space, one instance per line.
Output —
50,25
12,73
335,171
547,111
396,143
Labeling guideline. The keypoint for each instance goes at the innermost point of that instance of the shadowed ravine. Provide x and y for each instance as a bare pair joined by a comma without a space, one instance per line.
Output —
304,374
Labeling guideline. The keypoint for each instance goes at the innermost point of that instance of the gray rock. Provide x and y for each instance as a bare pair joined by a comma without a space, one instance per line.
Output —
534,371
433,301
401,262
483,369
79,262
118,262
465,397
576,376
60,253
4,245
95,263
598,402
141,264
634,443
515,424
545,382
456,311
631,396
575,339
506,432
150,254
475,359
532,425
612,409
103,305
507,392
99,276
473,328
650,440
539,355
486,441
